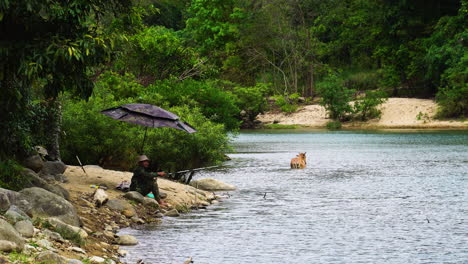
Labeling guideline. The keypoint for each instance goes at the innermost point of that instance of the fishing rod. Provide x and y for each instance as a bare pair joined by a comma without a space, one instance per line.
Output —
173,175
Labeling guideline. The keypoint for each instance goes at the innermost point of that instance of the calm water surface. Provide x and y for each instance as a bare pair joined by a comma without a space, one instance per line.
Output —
365,197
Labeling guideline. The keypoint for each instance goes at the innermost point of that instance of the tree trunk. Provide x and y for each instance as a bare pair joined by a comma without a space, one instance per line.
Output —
53,128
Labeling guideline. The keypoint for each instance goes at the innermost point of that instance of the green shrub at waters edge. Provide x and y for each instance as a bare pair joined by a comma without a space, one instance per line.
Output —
366,108
287,103
280,126
10,176
97,139
335,97
333,125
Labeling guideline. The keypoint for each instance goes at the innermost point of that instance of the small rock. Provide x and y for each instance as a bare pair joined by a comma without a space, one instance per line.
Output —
108,234
14,214
159,215
25,228
28,249
150,202
77,249
172,213
138,220
7,246
129,213
96,259
214,202
122,253
74,261
162,195
118,205
53,235
69,228
50,257
44,243
127,240
9,233
134,196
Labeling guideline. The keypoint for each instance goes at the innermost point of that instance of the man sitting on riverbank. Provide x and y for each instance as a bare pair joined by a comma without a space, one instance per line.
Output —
144,181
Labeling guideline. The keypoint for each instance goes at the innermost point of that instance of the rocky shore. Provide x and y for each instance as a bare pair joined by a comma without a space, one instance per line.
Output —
72,215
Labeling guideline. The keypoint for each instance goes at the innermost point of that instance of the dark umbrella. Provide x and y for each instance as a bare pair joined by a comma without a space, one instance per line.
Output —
149,116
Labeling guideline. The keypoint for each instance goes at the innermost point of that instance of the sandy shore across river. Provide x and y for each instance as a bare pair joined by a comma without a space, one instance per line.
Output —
396,113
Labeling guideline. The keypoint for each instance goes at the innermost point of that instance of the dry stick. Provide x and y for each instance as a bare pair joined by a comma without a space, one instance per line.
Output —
81,165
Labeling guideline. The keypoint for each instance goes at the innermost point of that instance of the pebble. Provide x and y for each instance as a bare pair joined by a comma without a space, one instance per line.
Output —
96,259
122,252
77,249
44,243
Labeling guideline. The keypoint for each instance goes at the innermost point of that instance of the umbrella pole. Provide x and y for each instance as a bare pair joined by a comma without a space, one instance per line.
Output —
143,143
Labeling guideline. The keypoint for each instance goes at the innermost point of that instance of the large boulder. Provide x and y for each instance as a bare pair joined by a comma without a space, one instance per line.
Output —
46,204
37,181
209,184
34,163
134,196
14,198
9,233
53,168
4,202
50,257
25,228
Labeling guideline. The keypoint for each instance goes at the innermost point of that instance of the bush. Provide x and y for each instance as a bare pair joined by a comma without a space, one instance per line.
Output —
333,125
335,97
363,80
215,103
287,103
252,100
453,102
98,139
10,176
366,107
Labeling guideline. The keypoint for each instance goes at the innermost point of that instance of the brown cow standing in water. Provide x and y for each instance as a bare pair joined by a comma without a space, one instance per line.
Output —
299,162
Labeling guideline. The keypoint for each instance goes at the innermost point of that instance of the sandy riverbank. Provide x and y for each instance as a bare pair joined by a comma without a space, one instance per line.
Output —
396,113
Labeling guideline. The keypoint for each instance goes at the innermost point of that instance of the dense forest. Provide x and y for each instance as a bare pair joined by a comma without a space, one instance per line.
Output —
214,63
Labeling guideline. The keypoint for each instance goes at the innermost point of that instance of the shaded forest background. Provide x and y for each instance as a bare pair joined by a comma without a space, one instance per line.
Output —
213,62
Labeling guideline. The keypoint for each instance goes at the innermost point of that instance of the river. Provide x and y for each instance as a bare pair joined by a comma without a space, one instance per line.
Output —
365,197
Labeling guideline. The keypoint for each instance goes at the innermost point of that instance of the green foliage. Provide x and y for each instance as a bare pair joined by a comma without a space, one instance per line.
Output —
209,96
17,257
453,102
74,237
10,176
95,137
365,108
362,80
252,100
280,126
50,46
333,125
177,150
157,52
335,97
287,103
98,139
